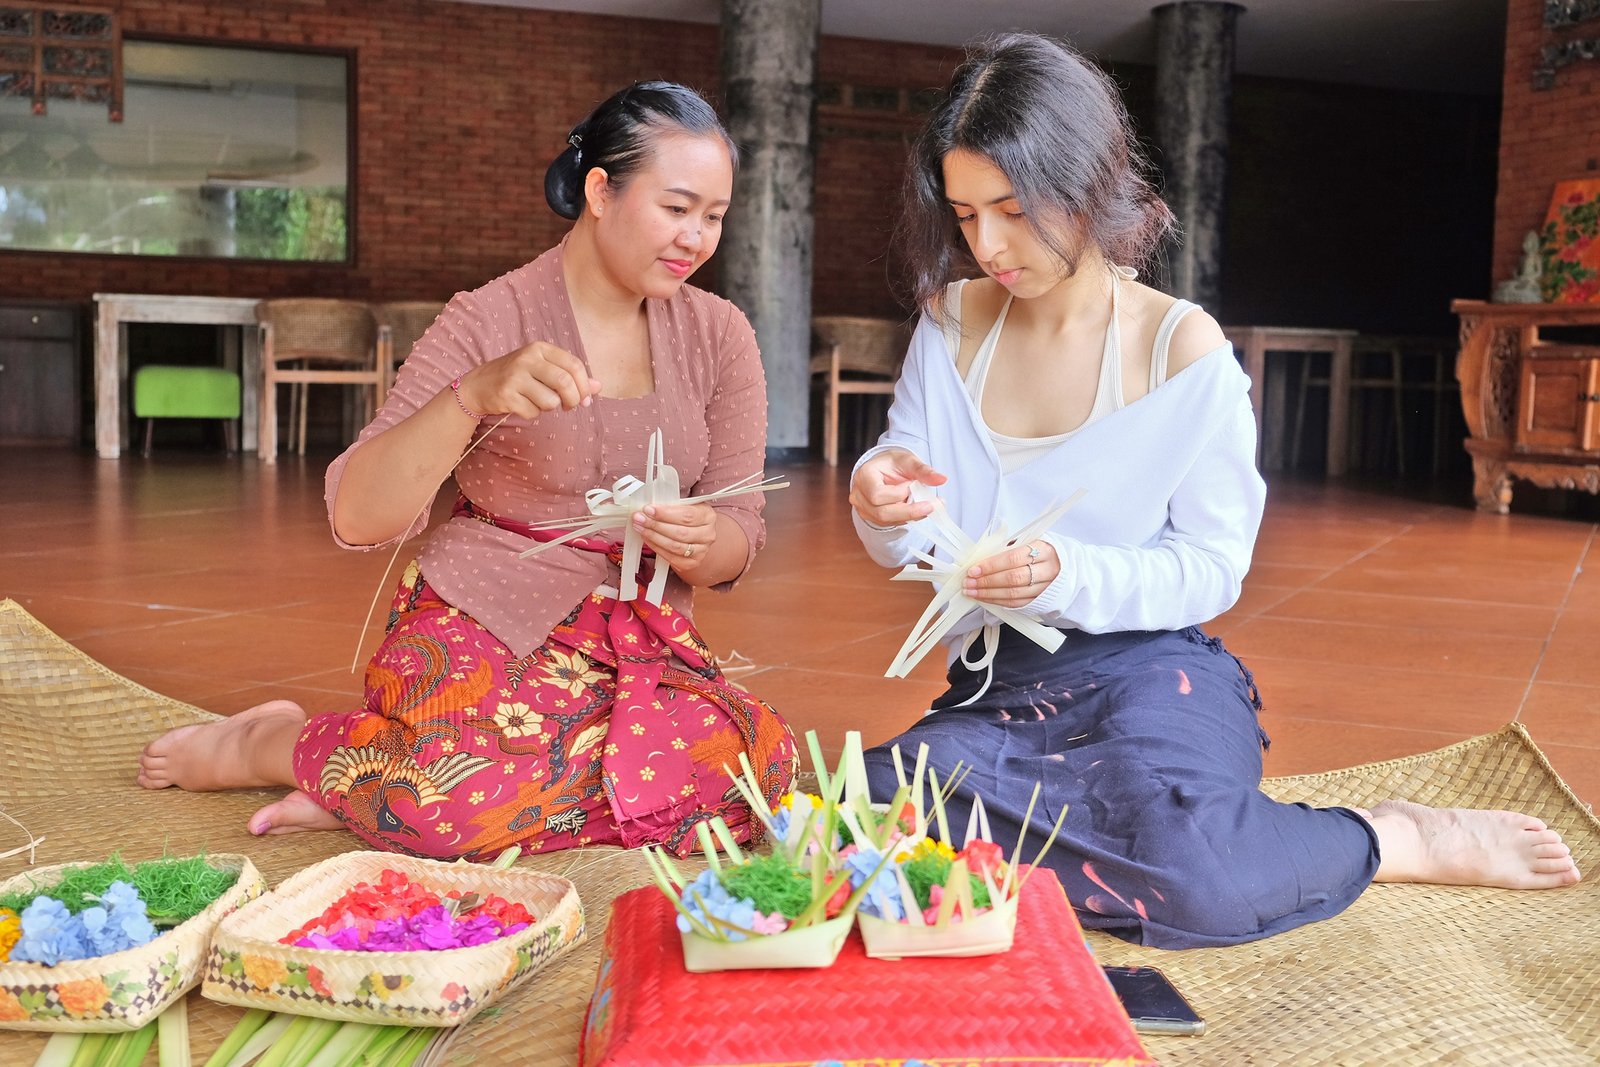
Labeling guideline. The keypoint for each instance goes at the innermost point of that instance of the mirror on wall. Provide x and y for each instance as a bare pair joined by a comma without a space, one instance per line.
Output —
222,152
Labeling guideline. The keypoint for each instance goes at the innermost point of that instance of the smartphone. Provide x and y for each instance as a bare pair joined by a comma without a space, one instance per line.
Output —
1153,1003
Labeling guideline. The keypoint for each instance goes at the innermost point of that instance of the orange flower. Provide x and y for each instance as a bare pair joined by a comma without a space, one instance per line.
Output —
264,973
11,1009
83,997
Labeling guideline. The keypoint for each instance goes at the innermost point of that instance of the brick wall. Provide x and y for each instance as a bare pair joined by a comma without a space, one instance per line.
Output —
460,109
1348,207
1546,135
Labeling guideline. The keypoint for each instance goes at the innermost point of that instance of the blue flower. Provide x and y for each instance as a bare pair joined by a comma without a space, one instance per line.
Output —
883,895
118,922
50,934
715,901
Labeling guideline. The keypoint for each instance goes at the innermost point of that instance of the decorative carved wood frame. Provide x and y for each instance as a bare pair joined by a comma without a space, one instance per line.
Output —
60,52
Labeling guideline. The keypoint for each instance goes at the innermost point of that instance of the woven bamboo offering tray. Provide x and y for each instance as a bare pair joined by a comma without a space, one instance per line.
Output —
248,965
123,990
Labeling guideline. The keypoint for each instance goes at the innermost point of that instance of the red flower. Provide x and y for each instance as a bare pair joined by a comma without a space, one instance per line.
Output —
983,857
836,902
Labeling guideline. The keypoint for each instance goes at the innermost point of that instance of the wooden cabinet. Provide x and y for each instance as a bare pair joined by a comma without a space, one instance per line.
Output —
1557,400
1532,404
41,349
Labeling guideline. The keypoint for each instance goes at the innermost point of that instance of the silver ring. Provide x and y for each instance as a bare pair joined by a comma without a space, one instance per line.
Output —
1030,574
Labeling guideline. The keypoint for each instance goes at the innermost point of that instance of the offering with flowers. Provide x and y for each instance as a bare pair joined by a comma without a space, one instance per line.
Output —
393,940
99,952
789,907
932,900
399,915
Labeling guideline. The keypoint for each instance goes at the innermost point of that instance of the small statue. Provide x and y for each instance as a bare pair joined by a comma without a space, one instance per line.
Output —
1526,287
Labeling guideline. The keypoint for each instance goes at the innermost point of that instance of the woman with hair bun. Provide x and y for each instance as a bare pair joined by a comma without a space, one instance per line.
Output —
518,701
1056,371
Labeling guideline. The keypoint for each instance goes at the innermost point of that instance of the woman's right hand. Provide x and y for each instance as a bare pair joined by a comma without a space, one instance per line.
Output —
881,490
536,378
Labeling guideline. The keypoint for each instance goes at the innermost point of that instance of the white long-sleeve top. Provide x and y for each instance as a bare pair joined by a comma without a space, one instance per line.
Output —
1163,535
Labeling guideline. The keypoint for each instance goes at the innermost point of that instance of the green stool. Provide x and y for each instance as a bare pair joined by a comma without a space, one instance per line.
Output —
163,392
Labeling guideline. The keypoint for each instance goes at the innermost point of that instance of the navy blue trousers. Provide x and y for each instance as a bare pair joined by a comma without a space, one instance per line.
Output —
1151,742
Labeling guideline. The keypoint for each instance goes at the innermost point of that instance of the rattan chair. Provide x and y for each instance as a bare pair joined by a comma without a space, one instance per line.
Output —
314,341
854,356
400,324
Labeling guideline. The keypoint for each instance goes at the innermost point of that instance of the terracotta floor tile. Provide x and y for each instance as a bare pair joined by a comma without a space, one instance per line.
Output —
1378,625
1384,696
1564,714
1413,612
1379,646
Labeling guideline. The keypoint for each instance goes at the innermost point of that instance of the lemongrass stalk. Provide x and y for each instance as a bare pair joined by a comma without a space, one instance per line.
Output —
128,1049
248,1024
265,1037
59,1051
172,1031
377,1052
404,1053
278,1054
312,1037
89,1050
345,1046
507,858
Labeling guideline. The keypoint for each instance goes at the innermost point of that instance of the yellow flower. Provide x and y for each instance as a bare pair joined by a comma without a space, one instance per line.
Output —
10,931
638,729
571,673
445,827
516,720
476,797
679,743
929,847
647,773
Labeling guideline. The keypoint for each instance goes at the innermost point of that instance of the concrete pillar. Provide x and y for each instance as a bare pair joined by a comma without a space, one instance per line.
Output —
769,69
1194,87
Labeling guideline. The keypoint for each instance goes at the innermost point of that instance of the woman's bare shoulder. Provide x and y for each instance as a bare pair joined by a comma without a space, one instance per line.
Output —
1197,333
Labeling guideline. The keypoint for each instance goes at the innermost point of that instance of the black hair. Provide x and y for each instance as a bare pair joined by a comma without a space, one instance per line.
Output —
617,136
1055,125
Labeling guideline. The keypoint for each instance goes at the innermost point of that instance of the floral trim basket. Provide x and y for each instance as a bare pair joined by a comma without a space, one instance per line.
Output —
248,966
123,990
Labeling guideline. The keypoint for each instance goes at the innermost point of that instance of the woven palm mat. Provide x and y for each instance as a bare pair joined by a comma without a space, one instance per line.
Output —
1408,975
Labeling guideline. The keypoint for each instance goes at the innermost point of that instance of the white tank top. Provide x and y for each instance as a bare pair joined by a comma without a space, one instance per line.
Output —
1016,452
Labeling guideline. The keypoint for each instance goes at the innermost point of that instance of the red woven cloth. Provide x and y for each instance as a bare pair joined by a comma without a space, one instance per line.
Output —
1044,1002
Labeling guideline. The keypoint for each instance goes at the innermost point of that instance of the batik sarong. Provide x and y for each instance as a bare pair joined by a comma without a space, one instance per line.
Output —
620,729
1151,741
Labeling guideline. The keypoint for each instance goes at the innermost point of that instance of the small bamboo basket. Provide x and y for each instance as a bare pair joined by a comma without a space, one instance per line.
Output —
248,966
124,990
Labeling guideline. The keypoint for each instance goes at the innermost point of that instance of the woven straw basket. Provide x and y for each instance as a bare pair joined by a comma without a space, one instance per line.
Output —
249,967
125,990
991,932
817,945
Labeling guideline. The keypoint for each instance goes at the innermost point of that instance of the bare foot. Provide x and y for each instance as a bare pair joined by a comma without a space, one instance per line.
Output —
252,748
293,813
1467,846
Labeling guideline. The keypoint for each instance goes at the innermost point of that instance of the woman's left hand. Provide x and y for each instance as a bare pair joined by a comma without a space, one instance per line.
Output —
681,534
1014,577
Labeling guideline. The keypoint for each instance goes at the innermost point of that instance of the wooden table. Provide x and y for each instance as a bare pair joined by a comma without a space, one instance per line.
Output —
241,352
1254,342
